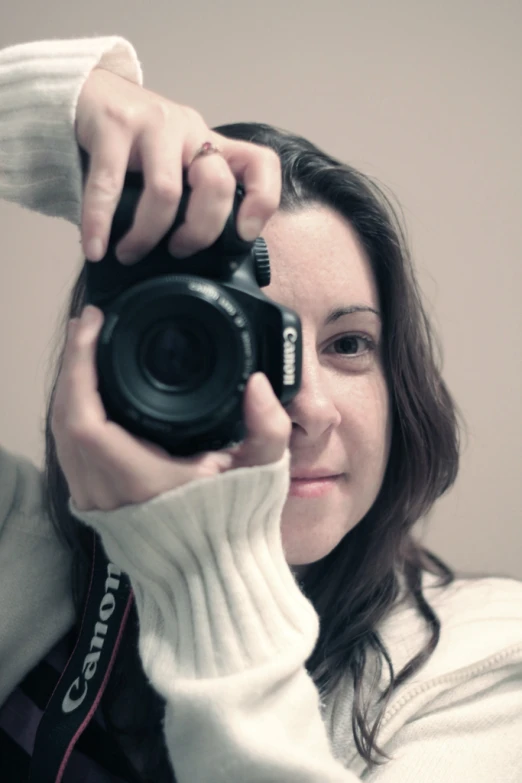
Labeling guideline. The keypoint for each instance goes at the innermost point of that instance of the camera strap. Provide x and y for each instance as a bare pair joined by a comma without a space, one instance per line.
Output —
83,681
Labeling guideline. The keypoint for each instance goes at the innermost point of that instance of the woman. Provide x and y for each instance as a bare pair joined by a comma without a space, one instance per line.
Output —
270,579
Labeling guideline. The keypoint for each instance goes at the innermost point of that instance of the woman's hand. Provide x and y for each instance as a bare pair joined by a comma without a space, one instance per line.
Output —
106,467
123,126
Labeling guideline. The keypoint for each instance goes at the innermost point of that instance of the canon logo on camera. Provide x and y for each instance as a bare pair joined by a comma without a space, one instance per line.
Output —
290,337
77,692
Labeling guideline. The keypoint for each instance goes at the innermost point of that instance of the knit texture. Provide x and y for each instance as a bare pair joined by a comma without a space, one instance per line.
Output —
40,83
224,629
208,558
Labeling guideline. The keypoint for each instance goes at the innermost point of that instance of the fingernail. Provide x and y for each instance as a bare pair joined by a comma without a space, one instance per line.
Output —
262,390
89,315
125,256
250,228
179,250
94,251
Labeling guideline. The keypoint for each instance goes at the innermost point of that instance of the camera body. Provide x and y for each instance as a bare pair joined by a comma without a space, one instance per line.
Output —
181,337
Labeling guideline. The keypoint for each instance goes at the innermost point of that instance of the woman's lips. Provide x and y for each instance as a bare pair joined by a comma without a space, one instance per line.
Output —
313,488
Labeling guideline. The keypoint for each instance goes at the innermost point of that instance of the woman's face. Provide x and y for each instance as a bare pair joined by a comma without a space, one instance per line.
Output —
341,415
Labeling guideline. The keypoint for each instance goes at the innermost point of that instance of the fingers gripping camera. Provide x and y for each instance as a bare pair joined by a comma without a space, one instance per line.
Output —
180,338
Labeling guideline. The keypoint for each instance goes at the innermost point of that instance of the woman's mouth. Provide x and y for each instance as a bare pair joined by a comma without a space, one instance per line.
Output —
313,488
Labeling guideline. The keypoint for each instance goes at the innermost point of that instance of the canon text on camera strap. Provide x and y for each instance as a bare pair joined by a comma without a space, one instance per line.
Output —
83,681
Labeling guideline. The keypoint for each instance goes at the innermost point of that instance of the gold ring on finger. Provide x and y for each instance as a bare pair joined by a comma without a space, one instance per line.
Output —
207,148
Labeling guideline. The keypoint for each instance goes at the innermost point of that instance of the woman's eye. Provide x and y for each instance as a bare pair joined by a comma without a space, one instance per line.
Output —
353,345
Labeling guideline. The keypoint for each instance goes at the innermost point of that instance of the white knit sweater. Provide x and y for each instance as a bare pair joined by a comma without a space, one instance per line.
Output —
224,629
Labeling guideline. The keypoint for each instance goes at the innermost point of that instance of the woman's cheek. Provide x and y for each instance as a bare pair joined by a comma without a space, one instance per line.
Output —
367,415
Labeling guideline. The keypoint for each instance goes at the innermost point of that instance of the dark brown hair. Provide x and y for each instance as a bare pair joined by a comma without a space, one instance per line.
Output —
354,587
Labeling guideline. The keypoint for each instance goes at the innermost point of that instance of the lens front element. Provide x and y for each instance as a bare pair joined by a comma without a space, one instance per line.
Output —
174,356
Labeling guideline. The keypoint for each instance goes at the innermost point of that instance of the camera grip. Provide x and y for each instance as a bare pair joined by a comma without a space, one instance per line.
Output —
133,188
128,203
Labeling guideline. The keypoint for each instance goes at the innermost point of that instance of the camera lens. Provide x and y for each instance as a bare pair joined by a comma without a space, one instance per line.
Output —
175,356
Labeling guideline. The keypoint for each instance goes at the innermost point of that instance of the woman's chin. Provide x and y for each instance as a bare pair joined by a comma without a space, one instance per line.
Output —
306,544
311,528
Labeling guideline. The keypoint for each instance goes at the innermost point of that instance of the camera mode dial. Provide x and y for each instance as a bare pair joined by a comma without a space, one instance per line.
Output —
262,265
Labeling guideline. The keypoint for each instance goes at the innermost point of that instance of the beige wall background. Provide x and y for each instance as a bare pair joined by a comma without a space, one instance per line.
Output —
425,96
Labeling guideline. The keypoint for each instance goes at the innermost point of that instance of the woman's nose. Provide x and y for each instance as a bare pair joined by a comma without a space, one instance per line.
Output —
313,410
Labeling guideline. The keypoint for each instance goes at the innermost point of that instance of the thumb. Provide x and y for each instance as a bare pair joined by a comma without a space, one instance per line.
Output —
267,425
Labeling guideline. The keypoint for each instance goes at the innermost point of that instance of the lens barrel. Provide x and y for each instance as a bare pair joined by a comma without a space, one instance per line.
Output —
174,354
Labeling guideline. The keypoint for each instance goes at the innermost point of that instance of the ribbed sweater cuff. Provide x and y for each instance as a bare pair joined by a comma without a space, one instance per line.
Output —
40,83
214,593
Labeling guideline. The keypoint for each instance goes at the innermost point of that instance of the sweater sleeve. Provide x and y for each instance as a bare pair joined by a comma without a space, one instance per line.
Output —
36,606
224,629
40,82
225,633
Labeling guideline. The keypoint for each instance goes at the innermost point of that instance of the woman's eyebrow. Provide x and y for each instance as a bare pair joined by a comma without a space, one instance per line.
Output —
340,311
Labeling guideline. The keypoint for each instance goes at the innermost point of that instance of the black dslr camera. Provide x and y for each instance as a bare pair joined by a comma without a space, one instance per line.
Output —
182,336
